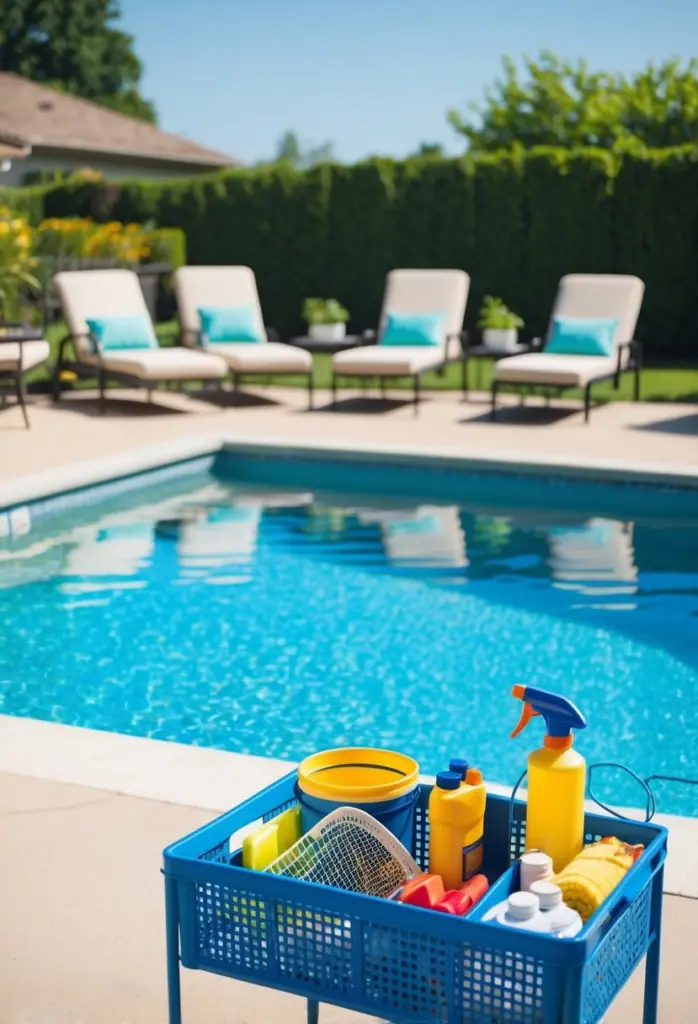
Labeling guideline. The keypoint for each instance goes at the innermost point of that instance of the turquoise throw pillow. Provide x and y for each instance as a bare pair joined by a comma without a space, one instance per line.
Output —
222,324
413,329
574,336
123,332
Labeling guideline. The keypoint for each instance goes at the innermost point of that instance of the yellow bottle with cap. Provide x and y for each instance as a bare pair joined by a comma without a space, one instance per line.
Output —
456,825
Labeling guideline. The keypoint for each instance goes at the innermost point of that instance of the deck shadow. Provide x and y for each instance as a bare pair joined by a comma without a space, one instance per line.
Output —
360,405
239,400
525,415
674,425
126,407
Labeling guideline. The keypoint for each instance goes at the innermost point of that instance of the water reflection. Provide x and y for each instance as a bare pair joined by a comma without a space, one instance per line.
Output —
225,537
595,559
115,553
427,536
221,537
30,564
568,562
108,558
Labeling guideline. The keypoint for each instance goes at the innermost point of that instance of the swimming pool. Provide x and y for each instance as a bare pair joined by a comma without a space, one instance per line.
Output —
276,605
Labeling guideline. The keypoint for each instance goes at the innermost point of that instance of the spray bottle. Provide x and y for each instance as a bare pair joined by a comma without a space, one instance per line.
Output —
556,777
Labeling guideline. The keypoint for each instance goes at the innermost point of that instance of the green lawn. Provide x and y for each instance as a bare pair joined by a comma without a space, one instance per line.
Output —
667,383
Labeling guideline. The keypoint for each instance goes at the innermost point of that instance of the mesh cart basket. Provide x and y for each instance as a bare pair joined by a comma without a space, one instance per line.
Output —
402,963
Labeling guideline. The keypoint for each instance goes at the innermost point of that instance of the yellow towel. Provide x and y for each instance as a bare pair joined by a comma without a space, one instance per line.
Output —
594,873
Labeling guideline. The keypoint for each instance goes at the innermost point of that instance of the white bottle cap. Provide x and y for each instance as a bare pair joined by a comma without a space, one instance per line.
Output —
549,894
537,861
523,905
534,866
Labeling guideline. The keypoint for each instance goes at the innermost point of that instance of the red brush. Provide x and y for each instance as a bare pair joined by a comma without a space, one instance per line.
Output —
427,891
423,891
460,901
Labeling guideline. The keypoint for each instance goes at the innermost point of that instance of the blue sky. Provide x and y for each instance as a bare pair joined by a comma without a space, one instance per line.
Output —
371,76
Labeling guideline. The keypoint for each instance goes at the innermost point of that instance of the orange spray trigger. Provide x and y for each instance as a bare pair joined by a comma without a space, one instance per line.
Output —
526,715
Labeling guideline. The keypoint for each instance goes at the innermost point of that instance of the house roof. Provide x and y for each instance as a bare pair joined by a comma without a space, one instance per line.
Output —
12,150
34,115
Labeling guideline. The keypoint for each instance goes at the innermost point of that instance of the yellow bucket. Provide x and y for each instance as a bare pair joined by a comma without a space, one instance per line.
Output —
382,782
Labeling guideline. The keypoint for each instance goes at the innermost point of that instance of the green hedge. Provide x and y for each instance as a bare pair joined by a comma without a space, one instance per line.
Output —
516,221
168,245
29,202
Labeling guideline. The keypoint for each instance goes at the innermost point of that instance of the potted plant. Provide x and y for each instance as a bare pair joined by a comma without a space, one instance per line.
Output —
500,327
326,319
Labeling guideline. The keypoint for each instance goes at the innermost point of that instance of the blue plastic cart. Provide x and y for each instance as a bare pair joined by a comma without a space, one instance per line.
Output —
402,963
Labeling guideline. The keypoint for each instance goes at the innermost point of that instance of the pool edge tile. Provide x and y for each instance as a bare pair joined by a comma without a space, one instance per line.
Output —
77,475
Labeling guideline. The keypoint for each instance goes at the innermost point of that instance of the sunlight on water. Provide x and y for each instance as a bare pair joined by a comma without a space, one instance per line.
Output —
281,622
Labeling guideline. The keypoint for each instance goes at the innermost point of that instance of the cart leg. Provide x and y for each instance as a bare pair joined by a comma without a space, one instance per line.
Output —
313,1011
649,1014
174,998
572,1005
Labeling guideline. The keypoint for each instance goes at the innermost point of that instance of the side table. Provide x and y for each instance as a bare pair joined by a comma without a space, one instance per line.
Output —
13,365
480,352
330,347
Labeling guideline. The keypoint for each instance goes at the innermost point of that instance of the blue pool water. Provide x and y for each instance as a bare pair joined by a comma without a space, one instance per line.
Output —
276,608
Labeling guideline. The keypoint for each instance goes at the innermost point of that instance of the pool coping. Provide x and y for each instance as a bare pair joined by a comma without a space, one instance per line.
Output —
203,777
216,780
76,475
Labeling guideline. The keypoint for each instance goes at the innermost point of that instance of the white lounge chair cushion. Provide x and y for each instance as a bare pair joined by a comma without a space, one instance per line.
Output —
33,354
393,360
544,368
214,286
594,296
161,364
262,357
412,291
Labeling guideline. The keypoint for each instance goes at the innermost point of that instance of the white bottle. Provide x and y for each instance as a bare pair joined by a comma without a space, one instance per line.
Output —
520,910
563,920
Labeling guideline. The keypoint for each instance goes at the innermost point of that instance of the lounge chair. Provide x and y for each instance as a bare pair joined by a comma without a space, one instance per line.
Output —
17,358
137,361
440,294
582,297
231,289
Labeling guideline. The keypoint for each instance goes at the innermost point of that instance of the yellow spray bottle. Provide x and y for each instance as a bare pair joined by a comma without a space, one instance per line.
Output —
556,777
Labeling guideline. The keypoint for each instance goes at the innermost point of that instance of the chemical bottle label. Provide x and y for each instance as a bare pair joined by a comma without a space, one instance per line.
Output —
472,859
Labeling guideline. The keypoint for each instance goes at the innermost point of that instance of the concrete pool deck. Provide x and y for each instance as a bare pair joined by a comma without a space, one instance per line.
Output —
82,929
73,430
81,935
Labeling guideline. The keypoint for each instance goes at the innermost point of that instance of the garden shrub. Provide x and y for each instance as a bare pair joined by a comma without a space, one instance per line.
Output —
26,202
82,237
516,221
167,245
